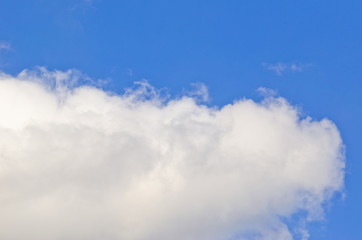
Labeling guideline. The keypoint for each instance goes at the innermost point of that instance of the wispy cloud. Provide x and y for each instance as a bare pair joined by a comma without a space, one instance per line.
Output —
83,5
266,92
130,72
281,68
199,92
4,46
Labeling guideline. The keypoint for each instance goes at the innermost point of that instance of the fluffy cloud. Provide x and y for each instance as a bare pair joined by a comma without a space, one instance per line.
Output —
81,163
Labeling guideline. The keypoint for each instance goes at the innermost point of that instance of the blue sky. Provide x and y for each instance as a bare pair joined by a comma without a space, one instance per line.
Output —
310,52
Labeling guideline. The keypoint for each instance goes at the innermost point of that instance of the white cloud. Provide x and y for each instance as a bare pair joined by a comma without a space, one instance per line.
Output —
280,68
80,163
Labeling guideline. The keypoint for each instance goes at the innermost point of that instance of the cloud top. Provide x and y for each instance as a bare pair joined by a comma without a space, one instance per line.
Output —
81,163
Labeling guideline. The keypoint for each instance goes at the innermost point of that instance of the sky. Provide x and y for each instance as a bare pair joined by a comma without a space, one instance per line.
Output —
109,107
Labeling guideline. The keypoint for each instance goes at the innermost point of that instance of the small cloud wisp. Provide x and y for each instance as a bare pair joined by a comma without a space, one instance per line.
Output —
4,46
280,68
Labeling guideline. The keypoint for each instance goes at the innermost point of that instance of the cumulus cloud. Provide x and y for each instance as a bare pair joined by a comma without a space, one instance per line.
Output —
77,162
280,68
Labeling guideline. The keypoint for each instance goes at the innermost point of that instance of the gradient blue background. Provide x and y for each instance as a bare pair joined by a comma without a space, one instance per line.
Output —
224,44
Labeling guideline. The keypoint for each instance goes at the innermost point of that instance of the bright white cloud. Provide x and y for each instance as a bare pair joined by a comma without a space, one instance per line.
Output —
80,163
